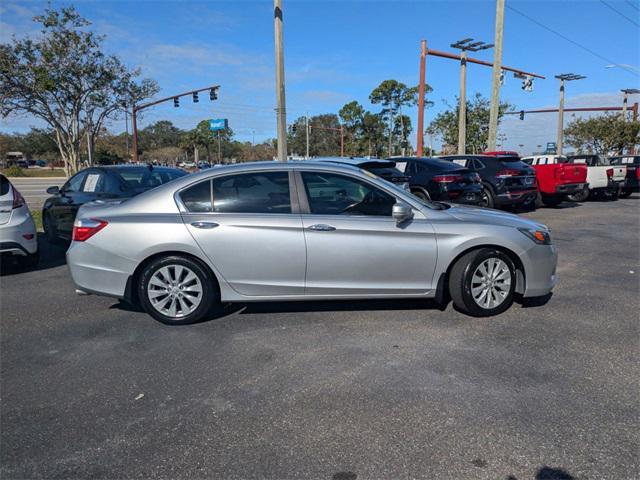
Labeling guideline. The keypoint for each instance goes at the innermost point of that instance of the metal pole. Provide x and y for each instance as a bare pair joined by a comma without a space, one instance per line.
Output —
560,119
89,147
126,129
420,140
219,149
306,121
281,109
341,141
462,110
625,99
495,81
134,125
390,131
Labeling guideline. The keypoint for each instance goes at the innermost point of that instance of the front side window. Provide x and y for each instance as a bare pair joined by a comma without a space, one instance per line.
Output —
258,192
332,194
75,183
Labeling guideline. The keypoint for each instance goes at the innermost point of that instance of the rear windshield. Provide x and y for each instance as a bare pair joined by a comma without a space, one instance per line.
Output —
509,159
145,179
4,185
387,173
625,161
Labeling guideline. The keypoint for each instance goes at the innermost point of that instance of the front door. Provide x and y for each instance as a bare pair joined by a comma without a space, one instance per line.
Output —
355,247
246,226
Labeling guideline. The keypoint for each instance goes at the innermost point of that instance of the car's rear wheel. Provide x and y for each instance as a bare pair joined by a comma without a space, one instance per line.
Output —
487,199
625,193
176,290
580,196
421,194
482,282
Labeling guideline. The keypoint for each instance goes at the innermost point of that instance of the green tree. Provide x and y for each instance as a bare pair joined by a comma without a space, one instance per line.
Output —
445,125
159,135
65,79
324,136
202,136
605,134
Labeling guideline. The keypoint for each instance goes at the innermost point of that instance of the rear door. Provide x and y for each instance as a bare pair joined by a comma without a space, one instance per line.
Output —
6,200
66,204
249,226
354,246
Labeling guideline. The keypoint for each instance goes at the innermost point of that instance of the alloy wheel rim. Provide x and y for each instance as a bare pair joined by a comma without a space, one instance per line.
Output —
484,199
491,283
174,291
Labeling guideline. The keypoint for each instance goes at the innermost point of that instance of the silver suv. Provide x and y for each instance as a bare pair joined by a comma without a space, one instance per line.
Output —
302,231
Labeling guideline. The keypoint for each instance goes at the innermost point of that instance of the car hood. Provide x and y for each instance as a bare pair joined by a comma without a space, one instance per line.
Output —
488,216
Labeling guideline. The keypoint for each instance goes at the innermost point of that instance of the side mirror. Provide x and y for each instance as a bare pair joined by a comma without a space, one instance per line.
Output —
53,190
401,212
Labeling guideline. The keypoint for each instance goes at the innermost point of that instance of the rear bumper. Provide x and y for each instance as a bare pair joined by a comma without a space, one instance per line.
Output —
470,195
570,188
12,241
94,270
540,263
521,195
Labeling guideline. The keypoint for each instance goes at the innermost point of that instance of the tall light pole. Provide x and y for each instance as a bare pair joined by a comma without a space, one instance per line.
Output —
495,76
625,100
281,108
423,60
565,77
465,45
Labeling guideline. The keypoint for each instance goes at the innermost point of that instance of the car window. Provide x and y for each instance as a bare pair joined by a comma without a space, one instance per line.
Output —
259,192
198,197
332,194
461,161
145,179
74,184
402,166
92,181
108,183
477,164
4,185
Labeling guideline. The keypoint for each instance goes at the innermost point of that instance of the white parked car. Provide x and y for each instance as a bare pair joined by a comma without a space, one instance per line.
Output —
17,231
602,177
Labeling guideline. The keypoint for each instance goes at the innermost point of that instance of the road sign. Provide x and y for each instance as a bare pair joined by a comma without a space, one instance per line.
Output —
551,147
216,124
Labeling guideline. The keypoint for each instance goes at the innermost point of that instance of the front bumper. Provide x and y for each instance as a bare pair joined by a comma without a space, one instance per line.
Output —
539,263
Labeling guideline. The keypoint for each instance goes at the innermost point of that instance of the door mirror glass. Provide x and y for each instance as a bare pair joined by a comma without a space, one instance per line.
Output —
55,190
401,212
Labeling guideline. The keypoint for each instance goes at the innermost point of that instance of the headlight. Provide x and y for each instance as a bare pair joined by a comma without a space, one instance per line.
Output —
541,237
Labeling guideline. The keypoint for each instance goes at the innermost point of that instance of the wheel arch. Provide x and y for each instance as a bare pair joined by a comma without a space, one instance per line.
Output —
443,280
131,292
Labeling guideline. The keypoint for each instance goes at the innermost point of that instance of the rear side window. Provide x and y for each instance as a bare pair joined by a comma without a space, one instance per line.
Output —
198,197
4,185
260,192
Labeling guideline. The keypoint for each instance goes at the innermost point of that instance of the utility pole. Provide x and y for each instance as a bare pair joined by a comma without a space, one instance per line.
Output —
126,129
495,80
625,100
281,108
423,60
465,45
564,77
341,140
306,122
134,127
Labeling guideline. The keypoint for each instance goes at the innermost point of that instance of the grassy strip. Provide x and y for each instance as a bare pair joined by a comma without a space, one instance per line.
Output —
33,172
37,218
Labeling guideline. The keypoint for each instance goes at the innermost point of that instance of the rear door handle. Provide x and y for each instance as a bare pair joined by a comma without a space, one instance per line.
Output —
322,227
205,225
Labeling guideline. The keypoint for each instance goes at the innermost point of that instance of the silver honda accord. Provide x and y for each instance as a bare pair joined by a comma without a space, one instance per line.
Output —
302,231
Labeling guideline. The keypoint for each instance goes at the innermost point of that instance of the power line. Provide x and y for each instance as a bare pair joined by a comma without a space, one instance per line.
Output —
619,13
632,5
587,49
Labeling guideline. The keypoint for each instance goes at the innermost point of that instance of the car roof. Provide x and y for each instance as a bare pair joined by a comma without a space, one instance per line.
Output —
356,161
134,167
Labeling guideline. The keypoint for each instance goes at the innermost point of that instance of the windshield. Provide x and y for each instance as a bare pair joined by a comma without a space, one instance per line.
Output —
141,179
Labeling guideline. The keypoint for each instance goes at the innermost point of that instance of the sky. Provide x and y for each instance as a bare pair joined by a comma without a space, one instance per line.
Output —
338,51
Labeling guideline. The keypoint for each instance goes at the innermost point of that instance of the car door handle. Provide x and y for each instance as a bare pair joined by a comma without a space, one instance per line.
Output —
205,225
322,227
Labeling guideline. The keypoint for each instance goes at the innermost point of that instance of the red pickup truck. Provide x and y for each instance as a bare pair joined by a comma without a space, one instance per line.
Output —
556,179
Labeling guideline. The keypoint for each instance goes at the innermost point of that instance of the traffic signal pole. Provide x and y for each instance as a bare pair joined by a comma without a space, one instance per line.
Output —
560,135
495,77
462,114
137,108
423,59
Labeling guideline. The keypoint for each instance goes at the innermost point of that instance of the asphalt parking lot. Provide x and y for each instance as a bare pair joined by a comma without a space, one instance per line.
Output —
334,390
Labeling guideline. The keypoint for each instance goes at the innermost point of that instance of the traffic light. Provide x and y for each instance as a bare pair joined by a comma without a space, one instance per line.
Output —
294,128
502,78
527,84
521,114
176,102
213,94
195,97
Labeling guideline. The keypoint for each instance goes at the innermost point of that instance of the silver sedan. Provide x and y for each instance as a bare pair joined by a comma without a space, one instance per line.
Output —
302,231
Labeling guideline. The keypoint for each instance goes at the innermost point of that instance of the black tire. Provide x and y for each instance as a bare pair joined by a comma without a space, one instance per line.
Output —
552,200
209,296
625,193
49,228
487,199
581,196
614,195
461,277
421,194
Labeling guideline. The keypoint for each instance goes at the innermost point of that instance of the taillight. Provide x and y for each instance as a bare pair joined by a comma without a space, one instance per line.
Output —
609,172
638,173
447,178
18,199
508,172
86,228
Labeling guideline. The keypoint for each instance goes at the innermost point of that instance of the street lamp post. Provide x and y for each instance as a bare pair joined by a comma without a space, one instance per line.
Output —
465,45
565,77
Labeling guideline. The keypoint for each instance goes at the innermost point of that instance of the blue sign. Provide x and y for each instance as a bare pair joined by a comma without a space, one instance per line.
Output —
216,124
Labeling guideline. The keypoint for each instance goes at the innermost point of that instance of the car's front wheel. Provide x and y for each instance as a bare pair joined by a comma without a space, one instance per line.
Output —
487,199
176,290
482,282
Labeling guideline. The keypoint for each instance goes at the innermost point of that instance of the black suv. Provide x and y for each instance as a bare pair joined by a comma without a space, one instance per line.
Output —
632,162
506,180
435,179
385,169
